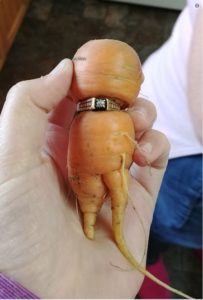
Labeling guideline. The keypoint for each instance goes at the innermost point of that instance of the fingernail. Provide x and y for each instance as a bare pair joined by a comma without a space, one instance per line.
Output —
59,67
141,111
146,148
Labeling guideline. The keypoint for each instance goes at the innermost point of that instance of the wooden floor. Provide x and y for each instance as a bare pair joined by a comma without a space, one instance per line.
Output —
54,29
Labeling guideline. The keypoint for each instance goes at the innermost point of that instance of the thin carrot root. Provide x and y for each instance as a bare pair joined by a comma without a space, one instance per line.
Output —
120,195
135,143
145,237
124,250
122,269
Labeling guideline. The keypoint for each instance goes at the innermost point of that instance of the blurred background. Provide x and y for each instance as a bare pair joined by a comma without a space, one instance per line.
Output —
36,35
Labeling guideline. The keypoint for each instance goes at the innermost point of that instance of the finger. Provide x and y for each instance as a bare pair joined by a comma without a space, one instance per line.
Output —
25,113
150,161
153,149
63,114
143,114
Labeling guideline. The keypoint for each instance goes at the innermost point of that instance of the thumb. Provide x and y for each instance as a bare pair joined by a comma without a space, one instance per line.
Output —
24,117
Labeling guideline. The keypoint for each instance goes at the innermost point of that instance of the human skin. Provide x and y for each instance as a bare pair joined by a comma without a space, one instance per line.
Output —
42,244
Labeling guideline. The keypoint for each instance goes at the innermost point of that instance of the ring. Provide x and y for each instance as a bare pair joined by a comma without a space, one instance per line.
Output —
97,104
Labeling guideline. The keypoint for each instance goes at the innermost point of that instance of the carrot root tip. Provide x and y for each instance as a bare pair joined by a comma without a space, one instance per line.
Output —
89,222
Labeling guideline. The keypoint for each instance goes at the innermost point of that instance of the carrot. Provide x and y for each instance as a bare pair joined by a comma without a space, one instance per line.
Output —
101,143
109,68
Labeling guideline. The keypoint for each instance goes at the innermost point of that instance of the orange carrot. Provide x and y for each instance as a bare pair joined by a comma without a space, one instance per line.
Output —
106,67
101,143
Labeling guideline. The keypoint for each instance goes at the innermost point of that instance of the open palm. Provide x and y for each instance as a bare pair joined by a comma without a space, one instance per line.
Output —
42,244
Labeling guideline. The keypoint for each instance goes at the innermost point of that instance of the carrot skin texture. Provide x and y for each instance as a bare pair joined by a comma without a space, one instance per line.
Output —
106,68
95,151
97,140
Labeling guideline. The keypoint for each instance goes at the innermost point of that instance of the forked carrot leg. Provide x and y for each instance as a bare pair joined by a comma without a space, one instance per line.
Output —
90,202
119,197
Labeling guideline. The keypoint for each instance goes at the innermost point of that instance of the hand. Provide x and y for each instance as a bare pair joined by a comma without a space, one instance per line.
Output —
42,244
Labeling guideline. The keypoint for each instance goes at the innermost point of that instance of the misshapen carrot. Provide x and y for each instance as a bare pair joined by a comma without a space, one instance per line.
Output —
97,152
101,142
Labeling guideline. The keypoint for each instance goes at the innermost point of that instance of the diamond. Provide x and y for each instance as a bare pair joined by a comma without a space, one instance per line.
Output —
100,104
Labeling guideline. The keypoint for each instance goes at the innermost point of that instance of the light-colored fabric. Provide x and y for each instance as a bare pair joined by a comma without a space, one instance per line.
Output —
167,79
195,77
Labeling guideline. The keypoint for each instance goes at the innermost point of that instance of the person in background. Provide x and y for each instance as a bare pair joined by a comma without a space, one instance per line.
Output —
174,83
